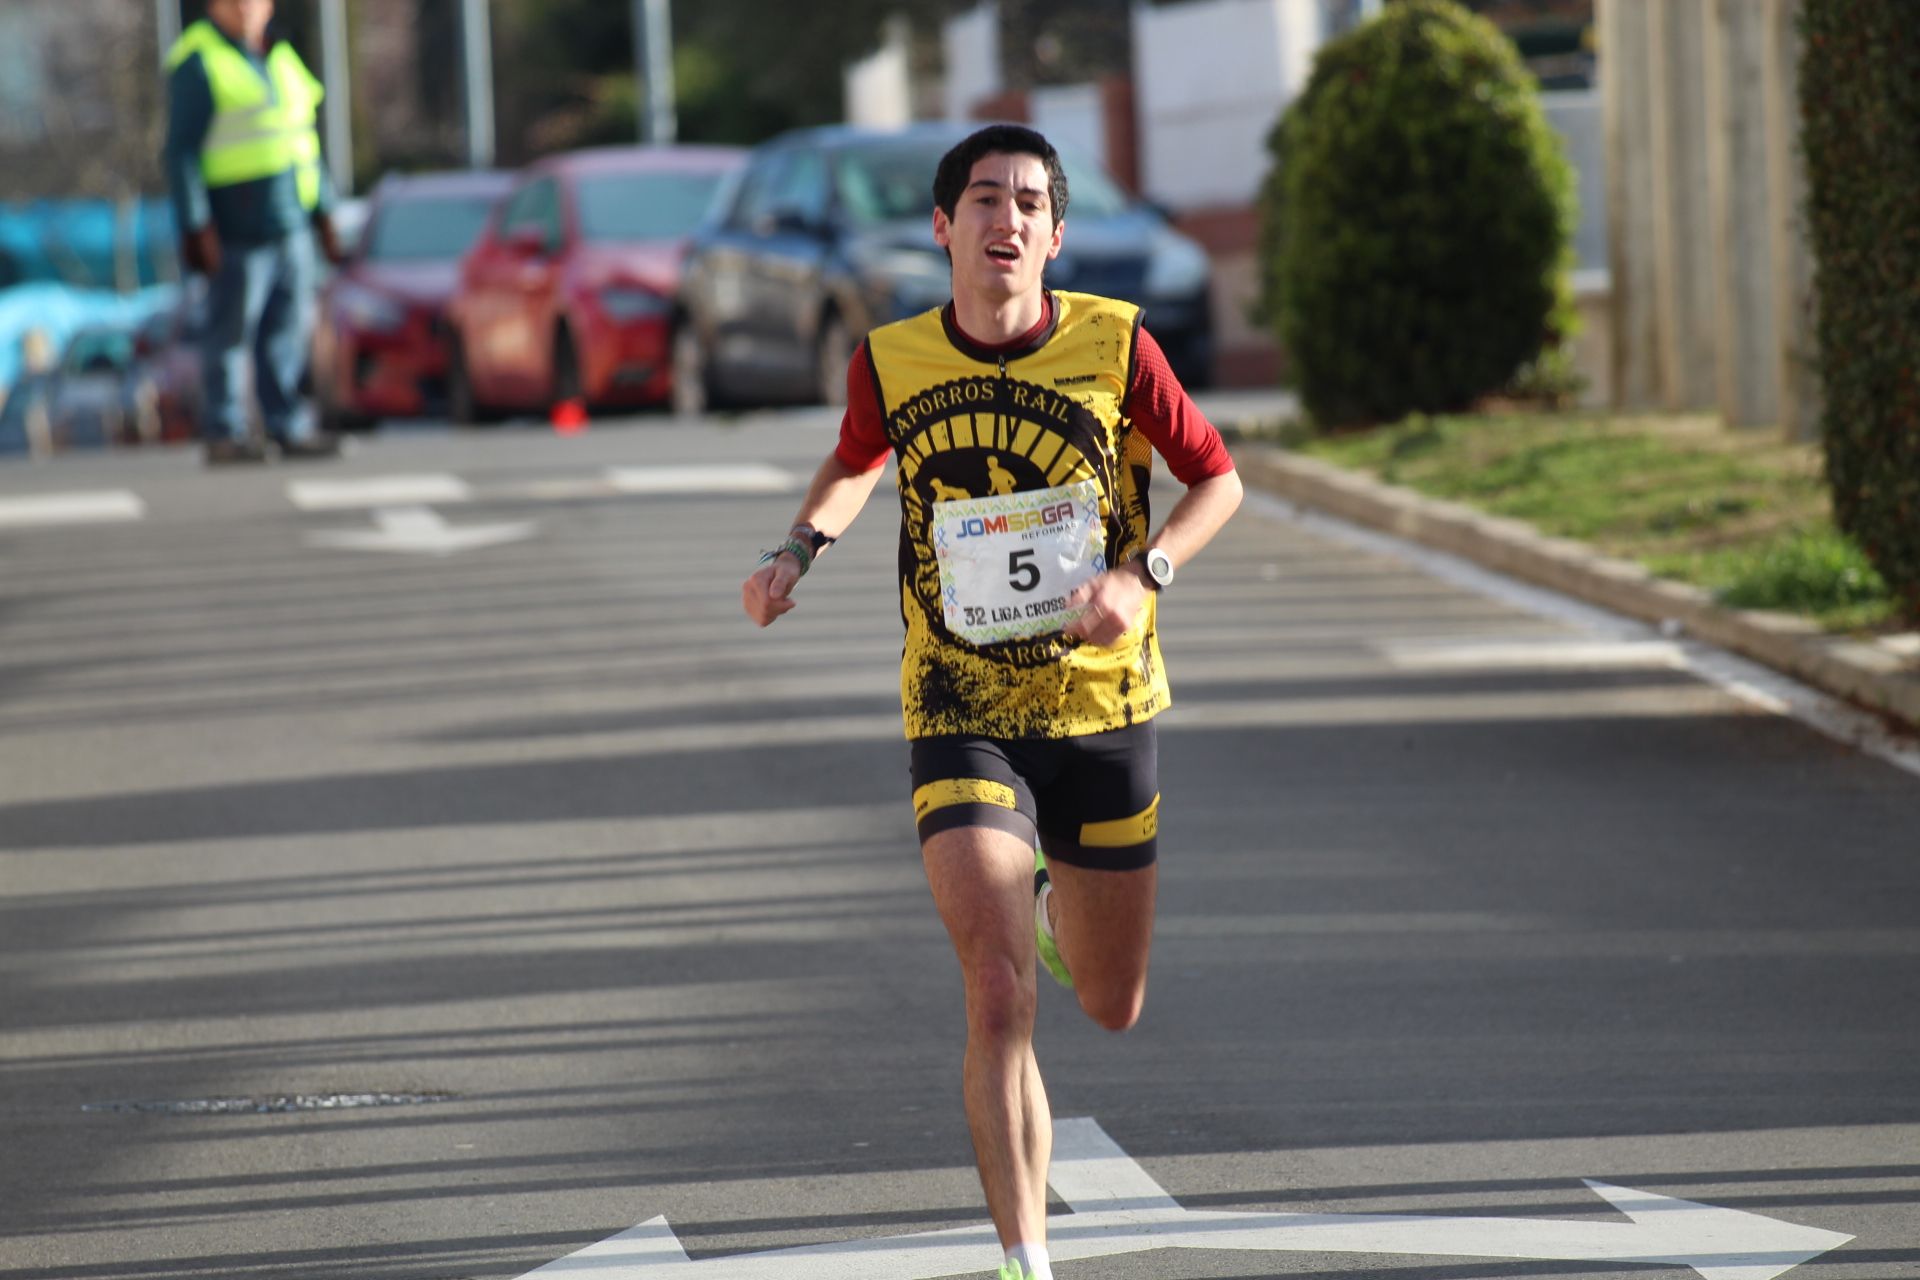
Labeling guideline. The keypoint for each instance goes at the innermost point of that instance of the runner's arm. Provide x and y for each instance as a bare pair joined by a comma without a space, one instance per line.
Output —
1114,598
839,491
1163,412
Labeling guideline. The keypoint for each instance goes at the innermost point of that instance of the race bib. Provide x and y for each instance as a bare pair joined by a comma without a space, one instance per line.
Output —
1009,561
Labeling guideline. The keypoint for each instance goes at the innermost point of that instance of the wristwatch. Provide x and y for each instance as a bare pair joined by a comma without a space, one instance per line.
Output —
1159,567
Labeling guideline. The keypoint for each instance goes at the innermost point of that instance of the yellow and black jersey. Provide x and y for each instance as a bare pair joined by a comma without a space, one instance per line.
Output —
969,422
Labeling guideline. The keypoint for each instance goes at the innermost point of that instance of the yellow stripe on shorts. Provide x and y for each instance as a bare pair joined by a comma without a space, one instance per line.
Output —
1121,833
952,791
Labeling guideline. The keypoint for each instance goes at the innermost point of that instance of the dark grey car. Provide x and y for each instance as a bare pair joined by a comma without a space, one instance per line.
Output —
827,233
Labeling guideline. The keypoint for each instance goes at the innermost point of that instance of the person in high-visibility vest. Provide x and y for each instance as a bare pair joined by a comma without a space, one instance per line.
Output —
250,196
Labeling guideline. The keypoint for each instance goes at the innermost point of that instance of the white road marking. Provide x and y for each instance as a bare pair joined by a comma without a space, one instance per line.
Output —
104,506
746,477
1757,685
376,491
420,531
1120,1209
1532,654
1093,1175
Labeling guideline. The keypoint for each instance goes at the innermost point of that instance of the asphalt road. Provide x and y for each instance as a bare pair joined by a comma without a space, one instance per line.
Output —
386,913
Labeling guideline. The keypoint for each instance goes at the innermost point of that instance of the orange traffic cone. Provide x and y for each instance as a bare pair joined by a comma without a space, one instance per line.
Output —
569,417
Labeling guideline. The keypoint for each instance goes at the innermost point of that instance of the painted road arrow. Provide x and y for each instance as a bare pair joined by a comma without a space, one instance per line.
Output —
420,531
1118,1209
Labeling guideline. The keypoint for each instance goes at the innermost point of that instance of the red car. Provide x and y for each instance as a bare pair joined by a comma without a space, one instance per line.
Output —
379,342
568,295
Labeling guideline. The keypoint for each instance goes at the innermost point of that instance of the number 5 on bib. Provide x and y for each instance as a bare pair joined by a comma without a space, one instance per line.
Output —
1009,562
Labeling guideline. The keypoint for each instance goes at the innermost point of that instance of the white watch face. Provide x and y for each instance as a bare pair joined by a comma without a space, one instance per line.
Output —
1160,567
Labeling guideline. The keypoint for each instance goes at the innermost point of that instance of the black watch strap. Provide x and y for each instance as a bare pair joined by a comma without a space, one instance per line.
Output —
813,536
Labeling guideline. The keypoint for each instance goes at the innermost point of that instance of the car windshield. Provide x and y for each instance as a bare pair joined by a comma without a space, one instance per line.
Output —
99,352
427,228
891,181
644,206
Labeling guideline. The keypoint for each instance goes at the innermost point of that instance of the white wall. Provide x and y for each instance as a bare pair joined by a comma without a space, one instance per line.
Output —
970,44
878,88
1071,117
1210,79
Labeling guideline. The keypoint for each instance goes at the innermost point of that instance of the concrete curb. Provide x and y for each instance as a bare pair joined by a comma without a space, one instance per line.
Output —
1878,676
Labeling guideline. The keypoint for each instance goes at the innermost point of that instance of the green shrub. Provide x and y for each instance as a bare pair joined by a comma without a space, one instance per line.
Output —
1860,106
1808,571
1416,224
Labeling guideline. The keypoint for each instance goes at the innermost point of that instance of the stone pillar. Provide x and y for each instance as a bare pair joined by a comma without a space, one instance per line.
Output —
1748,365
1682,235
1793,297
1628,127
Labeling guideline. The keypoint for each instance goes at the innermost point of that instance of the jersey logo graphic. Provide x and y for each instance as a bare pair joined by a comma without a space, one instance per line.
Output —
999,477
996,438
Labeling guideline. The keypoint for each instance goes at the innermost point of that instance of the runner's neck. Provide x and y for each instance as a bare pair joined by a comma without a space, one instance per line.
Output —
1014,343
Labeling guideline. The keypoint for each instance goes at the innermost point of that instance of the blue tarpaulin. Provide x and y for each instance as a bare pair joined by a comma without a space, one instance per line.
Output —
75,242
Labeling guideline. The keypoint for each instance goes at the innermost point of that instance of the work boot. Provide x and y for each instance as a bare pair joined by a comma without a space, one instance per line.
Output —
321,444
229,452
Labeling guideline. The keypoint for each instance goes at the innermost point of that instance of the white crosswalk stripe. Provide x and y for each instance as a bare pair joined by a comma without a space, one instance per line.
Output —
377,491
99,507
738,478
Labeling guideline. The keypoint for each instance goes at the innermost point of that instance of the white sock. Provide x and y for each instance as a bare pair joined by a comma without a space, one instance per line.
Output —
1033,1260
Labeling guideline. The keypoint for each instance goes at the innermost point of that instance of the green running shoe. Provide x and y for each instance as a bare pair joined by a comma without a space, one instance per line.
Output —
1043,937
1011,1270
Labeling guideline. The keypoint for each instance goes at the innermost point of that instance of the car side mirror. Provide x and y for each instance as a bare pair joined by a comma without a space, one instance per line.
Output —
792,222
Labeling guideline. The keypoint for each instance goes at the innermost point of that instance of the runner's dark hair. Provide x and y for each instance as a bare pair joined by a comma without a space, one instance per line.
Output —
956,167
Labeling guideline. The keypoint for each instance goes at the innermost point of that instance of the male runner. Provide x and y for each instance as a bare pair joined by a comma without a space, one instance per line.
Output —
1023,422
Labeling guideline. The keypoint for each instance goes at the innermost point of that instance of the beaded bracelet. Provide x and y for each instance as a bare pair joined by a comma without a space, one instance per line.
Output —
799,549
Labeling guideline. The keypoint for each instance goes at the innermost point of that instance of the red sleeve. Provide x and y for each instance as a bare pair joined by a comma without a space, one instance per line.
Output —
863,432
1167,416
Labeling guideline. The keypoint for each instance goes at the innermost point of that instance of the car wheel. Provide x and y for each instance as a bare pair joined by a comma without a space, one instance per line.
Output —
462,406
568,385
832,351
337,421
689,392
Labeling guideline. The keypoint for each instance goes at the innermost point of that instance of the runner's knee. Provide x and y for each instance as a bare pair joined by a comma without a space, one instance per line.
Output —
1000,998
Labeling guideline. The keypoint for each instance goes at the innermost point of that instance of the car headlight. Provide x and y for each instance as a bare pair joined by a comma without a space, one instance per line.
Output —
627,303
366,310
1176,267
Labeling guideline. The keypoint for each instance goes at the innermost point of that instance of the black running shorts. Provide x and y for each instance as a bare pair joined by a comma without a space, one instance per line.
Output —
1093,801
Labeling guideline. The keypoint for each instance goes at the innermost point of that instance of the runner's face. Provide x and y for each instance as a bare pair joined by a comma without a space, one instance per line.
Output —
1002,231
244,20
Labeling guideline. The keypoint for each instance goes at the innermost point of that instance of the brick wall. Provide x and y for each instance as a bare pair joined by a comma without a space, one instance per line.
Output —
1245,354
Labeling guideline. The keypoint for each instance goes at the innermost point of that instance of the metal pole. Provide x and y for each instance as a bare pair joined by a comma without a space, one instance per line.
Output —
336,63
167,23
642,105
477,72
653,64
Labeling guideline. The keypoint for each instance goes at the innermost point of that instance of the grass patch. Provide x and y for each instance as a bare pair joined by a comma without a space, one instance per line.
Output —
1816,572
1744,517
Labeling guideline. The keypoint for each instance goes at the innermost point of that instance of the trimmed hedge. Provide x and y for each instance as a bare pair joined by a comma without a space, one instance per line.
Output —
1860,109
1416,225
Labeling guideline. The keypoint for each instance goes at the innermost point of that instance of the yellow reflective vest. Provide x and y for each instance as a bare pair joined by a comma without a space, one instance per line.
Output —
255,133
